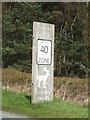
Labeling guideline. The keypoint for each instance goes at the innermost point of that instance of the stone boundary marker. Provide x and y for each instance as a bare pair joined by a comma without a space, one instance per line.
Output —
42,62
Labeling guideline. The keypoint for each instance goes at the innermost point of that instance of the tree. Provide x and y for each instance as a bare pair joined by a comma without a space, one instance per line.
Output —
71,38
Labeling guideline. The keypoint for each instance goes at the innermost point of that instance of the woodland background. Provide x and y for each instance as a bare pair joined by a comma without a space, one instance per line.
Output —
71,35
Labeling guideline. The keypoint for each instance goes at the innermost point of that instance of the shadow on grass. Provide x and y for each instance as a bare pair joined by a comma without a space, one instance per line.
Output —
29,98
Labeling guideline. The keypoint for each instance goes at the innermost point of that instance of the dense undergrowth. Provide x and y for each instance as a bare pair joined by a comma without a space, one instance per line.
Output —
69,89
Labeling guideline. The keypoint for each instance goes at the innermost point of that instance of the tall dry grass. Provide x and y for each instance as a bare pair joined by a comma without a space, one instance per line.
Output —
70,89
16,81
13,75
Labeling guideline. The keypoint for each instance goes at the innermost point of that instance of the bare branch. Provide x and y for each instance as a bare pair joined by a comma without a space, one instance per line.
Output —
74,20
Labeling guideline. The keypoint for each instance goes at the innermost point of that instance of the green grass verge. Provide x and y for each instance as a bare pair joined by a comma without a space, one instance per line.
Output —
18,103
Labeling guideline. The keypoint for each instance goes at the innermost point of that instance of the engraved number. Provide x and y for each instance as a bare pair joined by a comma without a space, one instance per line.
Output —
44,49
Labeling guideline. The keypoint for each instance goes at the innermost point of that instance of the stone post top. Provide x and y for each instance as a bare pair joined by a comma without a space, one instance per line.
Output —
43,23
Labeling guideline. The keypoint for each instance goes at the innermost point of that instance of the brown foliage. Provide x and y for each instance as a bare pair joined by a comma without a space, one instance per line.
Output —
69,89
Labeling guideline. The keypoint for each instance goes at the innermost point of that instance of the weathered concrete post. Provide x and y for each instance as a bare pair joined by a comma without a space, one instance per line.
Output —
42,62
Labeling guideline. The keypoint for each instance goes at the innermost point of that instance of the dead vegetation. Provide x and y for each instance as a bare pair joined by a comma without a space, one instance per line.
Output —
69,89
72,90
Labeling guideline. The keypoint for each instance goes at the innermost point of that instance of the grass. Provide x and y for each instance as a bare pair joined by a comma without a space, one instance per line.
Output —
11,76
14,75
18,103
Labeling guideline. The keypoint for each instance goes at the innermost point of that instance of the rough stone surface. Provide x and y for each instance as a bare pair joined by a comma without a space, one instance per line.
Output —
42,75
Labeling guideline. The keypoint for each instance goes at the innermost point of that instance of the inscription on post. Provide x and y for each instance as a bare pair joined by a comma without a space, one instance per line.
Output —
44,52
42,84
